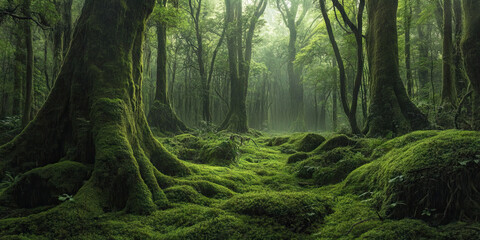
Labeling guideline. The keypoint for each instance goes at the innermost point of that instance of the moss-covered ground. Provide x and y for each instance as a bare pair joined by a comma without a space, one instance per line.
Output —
424,185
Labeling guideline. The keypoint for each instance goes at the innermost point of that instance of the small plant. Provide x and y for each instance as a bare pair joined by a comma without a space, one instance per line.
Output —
66,198
9,180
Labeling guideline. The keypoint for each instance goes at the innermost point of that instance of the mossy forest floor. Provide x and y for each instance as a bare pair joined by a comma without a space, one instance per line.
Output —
424,185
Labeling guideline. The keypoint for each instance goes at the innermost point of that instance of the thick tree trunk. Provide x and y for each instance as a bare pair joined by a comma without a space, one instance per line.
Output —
161,115
391,112
471,53
94,115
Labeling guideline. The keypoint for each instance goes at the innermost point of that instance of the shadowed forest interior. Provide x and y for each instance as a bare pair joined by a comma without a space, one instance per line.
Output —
240,119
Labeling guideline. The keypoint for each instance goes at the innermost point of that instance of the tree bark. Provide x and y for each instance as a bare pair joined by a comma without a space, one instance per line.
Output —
94,115
449,96
461,81
27,107
471,53
391,112
408,68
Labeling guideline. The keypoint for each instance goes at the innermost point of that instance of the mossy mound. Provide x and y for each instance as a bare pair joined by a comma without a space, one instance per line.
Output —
299,142
308,142
277,141
185,194
335,142
433,176
297,157
209,189
330,167
42,186
187,146
297,211
222,154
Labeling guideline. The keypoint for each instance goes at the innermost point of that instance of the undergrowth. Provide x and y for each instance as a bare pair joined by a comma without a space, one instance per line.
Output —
300,186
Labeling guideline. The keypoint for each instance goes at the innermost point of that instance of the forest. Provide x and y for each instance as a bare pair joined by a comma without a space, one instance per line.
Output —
240,119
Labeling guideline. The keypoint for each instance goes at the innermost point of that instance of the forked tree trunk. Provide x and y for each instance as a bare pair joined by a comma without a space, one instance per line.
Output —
471,53
391,112
94,114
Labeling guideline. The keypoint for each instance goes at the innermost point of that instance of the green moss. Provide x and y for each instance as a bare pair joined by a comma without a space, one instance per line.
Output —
330,167
297,157
433,178
335,142
185,194
402,229
297,211
42,186
222,154
303,142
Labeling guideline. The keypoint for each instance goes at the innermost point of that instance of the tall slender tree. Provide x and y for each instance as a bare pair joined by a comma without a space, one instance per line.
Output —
449,96
27,108
239,59
292,18
195,7
350,110
161,115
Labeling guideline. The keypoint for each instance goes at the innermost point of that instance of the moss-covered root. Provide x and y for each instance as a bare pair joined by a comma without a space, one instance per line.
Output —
163,119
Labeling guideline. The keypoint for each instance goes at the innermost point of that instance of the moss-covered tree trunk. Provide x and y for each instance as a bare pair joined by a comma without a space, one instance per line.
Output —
94,115
161,115
390,112
471,52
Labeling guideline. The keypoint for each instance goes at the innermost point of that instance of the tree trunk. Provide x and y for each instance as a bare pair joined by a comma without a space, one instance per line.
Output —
334,98
471,53
422,50
27,108
350,111
239,62
94,115
449,96
391,112
19,72
161,115
461,82
408,68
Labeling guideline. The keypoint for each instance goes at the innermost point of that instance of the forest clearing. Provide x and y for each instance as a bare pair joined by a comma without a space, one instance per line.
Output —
254,119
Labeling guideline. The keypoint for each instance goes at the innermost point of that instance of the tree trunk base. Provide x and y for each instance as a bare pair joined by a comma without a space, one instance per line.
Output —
163,119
